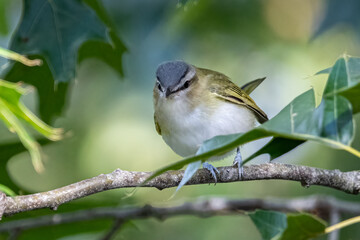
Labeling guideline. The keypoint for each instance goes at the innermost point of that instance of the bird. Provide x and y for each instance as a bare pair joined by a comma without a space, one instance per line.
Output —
192,105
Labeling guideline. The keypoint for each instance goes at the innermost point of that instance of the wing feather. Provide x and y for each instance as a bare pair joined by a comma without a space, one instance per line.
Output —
233,93
250,86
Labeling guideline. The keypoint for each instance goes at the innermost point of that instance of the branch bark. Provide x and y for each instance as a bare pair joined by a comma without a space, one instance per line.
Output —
348,182
320,205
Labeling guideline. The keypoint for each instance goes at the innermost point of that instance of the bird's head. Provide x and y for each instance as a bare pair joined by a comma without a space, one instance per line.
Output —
174,77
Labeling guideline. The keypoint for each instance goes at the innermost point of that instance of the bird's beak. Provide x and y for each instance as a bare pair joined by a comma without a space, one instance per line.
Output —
167,92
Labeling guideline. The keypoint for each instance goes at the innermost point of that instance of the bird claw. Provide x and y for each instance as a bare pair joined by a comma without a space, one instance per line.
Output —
238,162
211,169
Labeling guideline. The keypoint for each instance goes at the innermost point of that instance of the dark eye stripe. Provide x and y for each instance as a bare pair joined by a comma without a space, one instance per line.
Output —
186,85
184,74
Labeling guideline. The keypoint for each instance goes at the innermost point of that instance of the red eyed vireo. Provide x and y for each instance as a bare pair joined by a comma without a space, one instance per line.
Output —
195,104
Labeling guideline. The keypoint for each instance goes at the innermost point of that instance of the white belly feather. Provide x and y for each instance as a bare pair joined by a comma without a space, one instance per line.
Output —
186,129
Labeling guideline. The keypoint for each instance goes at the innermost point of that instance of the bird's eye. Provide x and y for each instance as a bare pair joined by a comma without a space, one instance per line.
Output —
186,84
160,88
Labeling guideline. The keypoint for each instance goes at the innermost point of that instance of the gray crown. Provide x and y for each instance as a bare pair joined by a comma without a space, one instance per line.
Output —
169,74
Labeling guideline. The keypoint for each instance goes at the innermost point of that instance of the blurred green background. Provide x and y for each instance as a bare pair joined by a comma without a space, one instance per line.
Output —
109,120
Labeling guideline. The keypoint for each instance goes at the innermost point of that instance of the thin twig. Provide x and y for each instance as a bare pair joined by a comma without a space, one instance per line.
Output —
348,182
200,207
334,218
343,224
117,225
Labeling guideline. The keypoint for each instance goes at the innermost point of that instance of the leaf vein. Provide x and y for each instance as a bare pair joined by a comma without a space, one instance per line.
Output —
36,18
58,33
292,118
335,112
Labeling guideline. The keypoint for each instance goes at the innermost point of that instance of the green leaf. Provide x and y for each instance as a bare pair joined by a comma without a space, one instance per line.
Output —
218,145
331,123
345,80
217,142
10,94
3,20
324,71
61,33
13,112
269,223
206,146
279,226
189,172
109,53
276,147
51,97
56,29
85,236
302,227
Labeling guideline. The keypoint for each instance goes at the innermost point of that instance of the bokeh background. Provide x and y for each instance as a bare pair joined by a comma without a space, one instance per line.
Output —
109,120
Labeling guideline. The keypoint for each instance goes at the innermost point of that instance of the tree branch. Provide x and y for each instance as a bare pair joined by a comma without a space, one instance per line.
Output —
348,182
117,225
334,217
203,208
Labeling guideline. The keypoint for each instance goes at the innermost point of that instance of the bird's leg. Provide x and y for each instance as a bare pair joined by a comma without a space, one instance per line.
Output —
211,169
238,161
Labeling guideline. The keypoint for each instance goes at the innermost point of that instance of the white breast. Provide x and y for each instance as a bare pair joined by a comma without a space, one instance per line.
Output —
186,128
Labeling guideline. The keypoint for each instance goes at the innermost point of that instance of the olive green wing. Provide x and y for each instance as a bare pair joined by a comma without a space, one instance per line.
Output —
157,126
250,86
227,90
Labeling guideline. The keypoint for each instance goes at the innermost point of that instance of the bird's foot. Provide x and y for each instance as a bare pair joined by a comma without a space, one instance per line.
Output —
238,162
213,170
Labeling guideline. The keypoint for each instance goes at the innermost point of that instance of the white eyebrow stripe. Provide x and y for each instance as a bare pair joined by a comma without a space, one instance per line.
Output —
189,75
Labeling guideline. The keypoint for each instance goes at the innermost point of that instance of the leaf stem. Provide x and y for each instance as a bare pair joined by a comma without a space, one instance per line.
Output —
20,58
343,224
332,142
352,150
